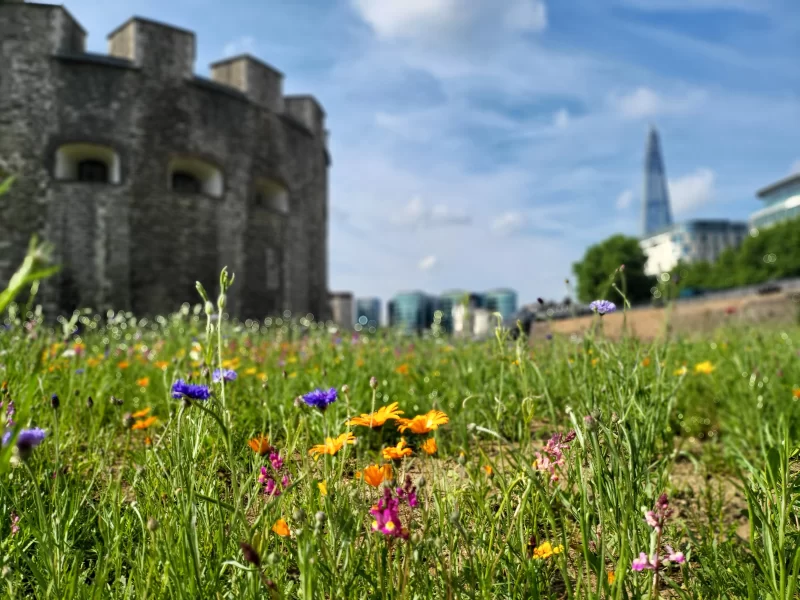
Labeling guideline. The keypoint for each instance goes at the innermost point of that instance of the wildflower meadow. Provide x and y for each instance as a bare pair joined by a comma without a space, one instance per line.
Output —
191,456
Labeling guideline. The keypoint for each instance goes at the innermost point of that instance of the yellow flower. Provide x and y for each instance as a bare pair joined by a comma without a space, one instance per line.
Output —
161,364
595,361
250,371
281,528
429,447
546,550
323,488
145,424
143,382
515,362
332,445
260,445
421,424
681,371
397,452
704,367
360,362
375,475
377,418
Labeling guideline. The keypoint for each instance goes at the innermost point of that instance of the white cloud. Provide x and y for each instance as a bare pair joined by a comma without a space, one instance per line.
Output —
417,214
644,102
509,223
692,191
243,45
561,118
624,200
431,18
698,5
427,263
795,167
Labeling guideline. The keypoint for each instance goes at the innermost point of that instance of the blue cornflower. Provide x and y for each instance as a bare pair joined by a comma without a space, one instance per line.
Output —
320,399
181,389
224,375
603,307
27,438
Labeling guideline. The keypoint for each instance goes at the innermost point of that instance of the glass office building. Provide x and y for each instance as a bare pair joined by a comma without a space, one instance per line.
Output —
781,203
503,301
368,312
656,213
412,311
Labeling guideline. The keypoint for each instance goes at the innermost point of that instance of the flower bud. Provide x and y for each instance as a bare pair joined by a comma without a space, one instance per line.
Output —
55,402
299,515
250,554
373,383
421,482
208,308
89,402
152,524
222,301
320,517
128,421
345,389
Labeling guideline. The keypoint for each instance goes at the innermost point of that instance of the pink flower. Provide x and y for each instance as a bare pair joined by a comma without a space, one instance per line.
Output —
14,523
387,518
642,563
276,460
676,557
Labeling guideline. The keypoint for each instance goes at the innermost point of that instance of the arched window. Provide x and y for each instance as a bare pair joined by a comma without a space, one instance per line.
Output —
186,182
272,195
195,176
93,170
91,163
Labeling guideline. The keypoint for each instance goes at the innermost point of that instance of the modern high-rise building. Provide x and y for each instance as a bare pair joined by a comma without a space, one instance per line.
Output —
413,311
368,312
781,202
503,301
341,307
656,212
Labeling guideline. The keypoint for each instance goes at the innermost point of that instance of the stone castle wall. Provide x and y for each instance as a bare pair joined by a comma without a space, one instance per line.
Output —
137,244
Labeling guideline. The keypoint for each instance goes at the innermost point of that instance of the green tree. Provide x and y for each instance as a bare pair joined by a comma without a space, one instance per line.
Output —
600,263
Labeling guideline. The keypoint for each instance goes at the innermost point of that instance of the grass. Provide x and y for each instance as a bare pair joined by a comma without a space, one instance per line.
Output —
176,509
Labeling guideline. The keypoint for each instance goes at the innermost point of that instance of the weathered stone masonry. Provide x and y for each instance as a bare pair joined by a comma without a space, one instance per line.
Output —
138,241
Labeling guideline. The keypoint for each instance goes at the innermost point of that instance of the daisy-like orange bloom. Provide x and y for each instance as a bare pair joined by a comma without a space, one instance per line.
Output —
143,382
488,470
161,364
423,423
429,447
281,528
332,445
260,445
402,369
145,423
378,418
375,475
646,361
796,393
123,364
397,452
141,413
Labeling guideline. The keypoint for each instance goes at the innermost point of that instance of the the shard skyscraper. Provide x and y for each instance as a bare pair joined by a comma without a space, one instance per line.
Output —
657,214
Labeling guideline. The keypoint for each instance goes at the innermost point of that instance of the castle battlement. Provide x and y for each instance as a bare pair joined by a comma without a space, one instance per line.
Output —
148,177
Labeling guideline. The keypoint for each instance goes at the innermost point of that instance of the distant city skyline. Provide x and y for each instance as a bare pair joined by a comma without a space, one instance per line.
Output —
656,209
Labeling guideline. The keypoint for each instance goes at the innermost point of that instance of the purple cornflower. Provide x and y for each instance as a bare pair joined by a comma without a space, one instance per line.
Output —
181,389
387,518
603,307
320,399
223,375
30,438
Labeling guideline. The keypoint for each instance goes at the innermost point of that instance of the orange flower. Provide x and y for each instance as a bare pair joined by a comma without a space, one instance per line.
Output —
646,361
375,475
429,447
488,470
397,452
148,441
141,413
332,445
378,418
402,369
281,528
360,362
612,577
143,382
796,393
161,364
145,424
260,445
123,364
426,423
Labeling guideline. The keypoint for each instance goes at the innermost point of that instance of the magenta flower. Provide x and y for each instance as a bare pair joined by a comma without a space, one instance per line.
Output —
387,518
675,557
276,461
642,563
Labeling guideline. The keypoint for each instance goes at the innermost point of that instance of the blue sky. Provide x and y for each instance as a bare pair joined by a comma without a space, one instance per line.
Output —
487,143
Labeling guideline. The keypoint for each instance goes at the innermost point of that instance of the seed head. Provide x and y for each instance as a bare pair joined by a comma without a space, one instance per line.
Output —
250,554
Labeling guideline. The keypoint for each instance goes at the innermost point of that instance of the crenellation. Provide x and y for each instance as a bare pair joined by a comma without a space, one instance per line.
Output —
164,51
307,111
261,83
